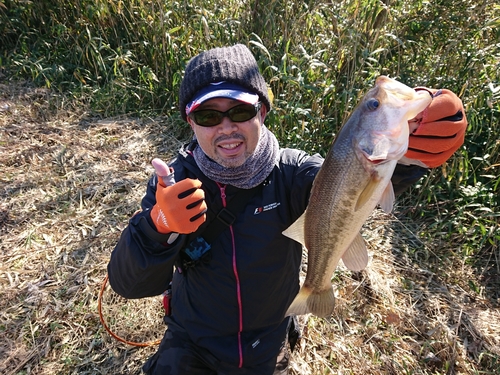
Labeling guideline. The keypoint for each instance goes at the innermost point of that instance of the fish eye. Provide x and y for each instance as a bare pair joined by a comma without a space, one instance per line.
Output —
372,104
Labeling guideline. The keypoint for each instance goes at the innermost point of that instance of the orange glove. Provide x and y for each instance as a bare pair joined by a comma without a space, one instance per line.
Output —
179,208
439,130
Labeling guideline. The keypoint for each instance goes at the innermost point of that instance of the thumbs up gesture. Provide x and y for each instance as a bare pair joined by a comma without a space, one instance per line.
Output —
180,207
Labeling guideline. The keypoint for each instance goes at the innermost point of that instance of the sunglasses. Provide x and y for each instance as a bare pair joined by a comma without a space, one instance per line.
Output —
211,117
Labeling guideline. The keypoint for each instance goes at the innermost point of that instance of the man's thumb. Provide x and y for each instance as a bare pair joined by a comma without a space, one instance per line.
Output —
165,178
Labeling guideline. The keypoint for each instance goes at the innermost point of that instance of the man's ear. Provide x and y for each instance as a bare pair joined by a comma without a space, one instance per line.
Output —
190,122
263,113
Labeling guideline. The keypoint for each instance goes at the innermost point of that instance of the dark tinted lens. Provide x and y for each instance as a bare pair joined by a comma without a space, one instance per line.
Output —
211,117
242,112
208,117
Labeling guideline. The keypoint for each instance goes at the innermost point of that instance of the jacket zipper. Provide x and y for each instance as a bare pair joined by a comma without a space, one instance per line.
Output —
237,278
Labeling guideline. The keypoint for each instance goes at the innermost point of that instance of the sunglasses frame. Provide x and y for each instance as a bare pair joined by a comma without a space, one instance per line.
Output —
257,106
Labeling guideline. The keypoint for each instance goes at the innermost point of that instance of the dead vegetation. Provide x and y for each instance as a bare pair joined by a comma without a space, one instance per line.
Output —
68,185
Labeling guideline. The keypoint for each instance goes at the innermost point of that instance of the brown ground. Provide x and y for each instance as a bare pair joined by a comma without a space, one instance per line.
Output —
68,184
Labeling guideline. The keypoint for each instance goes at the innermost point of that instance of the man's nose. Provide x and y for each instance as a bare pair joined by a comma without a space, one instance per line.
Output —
227,126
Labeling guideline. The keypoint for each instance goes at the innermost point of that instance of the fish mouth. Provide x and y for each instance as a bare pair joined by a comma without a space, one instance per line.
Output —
375,160
376,154
378,161
396,88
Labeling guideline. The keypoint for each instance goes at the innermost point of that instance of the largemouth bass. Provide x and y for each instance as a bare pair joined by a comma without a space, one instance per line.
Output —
355,177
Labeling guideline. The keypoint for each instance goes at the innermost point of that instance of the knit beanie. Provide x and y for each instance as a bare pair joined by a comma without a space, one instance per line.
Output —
234,64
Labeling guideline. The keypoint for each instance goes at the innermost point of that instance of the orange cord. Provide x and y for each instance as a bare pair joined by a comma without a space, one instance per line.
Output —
101,317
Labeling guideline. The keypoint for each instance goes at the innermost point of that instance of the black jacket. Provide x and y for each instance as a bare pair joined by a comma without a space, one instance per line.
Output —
233,302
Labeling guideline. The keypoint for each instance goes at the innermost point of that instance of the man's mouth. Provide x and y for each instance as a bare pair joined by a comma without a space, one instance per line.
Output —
230,146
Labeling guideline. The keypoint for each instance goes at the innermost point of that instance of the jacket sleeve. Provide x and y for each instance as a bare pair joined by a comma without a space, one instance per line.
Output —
141,263
305,170
406,175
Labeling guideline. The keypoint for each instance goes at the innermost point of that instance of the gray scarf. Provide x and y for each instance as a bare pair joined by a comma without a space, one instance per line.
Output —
252,172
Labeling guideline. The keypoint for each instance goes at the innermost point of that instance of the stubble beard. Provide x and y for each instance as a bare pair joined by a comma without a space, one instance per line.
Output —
231,162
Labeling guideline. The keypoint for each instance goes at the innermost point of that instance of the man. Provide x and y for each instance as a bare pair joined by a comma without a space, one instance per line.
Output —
218,212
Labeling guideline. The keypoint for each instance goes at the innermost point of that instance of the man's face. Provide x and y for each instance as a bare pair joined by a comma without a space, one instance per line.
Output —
228,143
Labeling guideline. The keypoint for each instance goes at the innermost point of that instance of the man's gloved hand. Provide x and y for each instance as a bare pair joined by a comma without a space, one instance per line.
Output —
180,207
438,131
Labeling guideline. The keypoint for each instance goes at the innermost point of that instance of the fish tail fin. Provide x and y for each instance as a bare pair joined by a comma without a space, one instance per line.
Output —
320,304
299,304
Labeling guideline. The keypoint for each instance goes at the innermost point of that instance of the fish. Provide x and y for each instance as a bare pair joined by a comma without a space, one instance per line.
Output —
354,178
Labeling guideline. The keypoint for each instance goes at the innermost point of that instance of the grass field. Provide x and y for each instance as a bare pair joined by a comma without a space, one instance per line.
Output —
88,96
68,185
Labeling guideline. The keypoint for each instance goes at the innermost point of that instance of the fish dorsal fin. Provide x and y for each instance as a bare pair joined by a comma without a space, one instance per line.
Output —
296,230
367,192
356,256
387,199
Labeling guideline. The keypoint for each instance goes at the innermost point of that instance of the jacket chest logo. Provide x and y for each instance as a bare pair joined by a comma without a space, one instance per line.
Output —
265,208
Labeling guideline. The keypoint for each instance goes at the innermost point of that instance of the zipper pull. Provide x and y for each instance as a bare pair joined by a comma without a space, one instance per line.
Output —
222,189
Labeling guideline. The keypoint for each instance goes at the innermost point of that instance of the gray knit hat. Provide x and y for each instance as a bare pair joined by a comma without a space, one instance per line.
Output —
234,64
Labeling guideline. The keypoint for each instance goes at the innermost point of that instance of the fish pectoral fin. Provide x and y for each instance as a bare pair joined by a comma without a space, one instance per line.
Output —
296,230
387,199
367,193
356,256
319,303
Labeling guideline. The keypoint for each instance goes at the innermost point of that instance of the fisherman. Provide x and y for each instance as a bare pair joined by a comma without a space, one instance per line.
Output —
210,229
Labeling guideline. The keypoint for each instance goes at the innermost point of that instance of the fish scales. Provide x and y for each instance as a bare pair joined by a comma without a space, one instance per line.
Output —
355,176
331,212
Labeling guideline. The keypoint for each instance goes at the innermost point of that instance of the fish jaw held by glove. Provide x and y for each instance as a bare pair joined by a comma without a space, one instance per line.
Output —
179,208
439,131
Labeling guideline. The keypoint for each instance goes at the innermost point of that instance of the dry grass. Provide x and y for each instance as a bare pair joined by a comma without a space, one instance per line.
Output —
69,183
399,317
